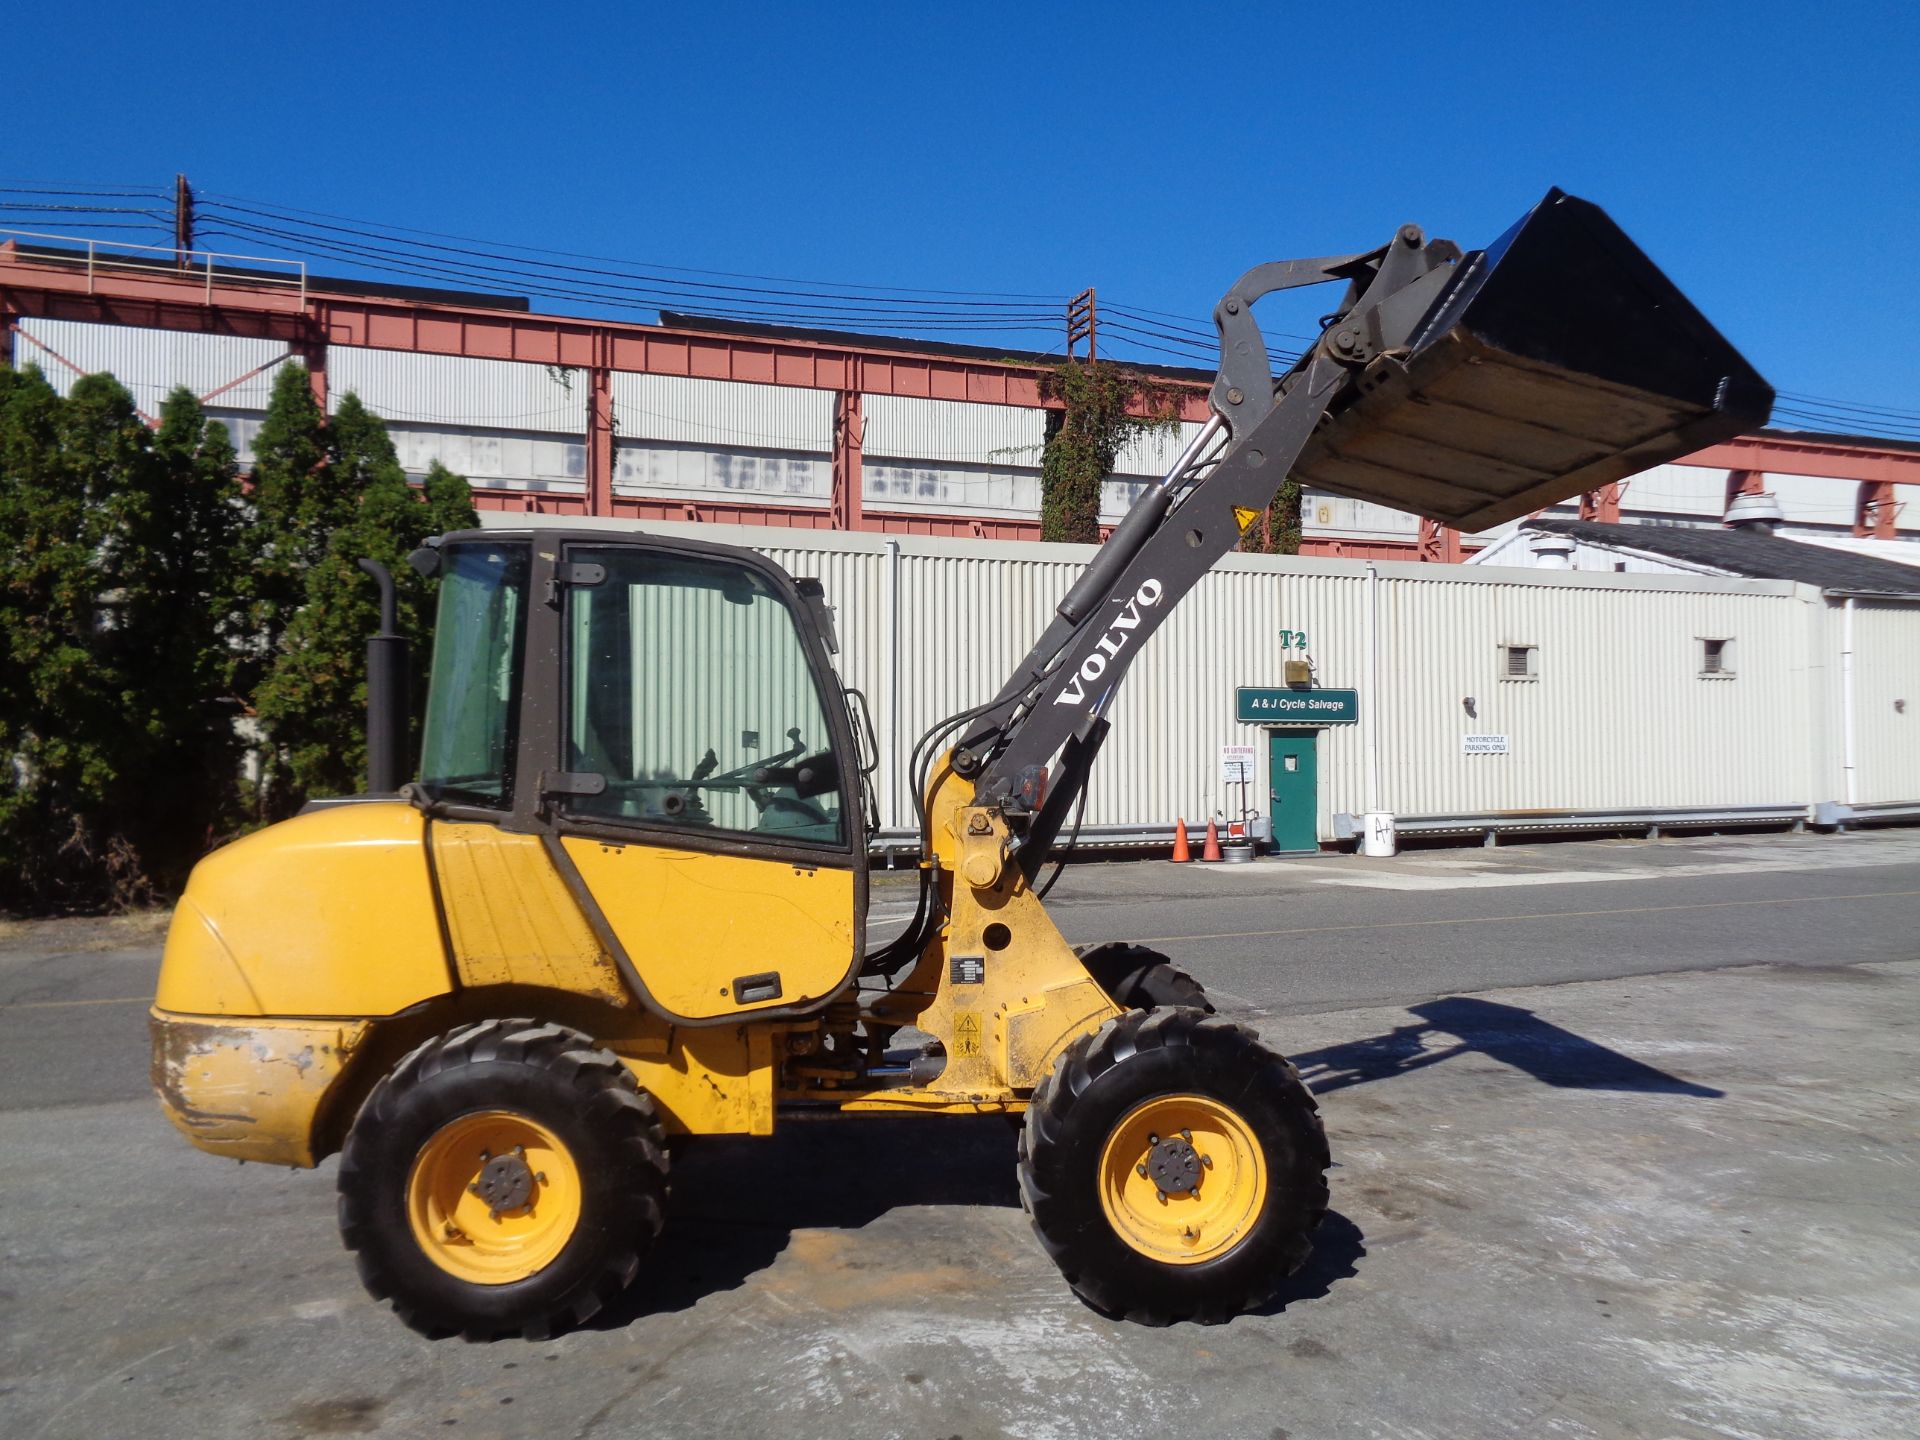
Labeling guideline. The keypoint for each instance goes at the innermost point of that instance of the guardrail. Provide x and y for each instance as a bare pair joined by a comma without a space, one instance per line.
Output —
1651,822
106,256
1840,817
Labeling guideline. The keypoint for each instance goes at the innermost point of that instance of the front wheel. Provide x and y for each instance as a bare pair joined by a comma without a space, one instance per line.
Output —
504,1179
1174,1167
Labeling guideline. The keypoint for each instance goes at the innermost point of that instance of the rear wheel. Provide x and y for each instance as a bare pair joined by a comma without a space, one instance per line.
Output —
1174,1167
505,1178
1143,979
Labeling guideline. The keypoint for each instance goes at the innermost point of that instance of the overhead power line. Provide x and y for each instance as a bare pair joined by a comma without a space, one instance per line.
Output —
610,283
287,210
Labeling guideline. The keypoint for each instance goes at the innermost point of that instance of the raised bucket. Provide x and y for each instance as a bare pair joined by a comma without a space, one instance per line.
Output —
1557,360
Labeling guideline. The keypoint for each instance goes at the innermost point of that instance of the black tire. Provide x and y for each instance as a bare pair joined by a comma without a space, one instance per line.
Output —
555,1077
1104,1078
1143,979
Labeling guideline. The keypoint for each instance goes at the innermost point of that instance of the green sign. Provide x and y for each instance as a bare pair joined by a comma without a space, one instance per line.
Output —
1260,705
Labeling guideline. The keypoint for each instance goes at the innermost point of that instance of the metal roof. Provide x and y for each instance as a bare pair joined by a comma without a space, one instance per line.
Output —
1752,553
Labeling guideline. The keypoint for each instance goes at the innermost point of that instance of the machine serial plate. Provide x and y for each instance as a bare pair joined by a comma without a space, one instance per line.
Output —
969,969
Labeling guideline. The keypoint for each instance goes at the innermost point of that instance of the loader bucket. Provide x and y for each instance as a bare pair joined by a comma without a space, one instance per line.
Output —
1557,360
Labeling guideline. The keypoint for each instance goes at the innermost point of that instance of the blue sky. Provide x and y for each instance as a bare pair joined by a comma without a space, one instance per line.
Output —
1767,155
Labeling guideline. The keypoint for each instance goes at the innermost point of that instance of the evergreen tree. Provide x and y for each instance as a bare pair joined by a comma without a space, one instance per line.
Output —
145,605
177,565
312,703
75,478
294,504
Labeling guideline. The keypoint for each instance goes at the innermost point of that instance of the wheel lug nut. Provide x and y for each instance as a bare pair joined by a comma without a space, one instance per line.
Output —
474,1189
1163,1196
1187,1135
1142,1169
1207,1160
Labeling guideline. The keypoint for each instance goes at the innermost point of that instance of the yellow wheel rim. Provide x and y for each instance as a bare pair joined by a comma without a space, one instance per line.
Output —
1182,1179
493,1197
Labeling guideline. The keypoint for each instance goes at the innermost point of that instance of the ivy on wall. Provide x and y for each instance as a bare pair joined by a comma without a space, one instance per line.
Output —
1103,409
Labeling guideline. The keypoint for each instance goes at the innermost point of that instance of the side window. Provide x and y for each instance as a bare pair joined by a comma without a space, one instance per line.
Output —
689,691
473,698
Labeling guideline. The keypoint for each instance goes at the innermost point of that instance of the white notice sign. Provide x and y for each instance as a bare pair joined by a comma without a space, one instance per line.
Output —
1484,745
1236,763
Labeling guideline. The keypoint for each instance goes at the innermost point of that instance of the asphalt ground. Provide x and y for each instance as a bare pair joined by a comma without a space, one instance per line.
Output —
1626,1142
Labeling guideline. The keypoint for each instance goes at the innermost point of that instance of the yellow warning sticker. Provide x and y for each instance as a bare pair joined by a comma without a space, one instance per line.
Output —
1244,517
966,1032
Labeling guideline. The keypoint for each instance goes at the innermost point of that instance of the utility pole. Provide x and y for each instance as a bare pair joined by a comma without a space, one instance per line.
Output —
182,221
1083,323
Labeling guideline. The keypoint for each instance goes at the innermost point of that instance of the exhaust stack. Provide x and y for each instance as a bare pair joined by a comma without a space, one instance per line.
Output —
386,691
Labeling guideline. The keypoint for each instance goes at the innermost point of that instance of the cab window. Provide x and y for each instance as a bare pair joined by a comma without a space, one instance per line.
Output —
473,696
688,690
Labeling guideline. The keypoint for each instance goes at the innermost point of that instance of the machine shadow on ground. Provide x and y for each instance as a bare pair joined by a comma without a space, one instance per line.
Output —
1507,1033
737,1202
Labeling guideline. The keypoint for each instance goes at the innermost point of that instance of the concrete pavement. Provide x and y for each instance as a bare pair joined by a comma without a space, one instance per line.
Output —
1623,1157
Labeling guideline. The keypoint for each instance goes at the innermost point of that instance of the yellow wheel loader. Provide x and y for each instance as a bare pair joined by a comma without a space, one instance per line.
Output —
624,895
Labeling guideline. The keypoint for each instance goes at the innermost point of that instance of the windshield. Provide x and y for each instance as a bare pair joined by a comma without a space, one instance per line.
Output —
691,694
472,723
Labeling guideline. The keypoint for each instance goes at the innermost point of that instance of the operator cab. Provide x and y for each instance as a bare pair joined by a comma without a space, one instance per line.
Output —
690,693
664,715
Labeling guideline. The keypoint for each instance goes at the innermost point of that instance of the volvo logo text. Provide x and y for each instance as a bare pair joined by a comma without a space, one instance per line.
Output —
1110,643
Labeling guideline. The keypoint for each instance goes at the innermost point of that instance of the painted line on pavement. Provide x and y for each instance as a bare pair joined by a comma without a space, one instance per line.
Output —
69,1004
1541,915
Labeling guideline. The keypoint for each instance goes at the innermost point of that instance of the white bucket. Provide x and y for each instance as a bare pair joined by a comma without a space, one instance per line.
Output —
1379,837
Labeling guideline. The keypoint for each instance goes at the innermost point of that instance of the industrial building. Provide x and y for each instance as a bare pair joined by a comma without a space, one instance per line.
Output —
906,475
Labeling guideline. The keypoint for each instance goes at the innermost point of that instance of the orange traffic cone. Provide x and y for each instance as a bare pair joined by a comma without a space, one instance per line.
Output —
1212,851
1182,854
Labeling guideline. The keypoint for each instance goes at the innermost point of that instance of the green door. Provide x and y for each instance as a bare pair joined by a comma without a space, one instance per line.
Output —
1292,793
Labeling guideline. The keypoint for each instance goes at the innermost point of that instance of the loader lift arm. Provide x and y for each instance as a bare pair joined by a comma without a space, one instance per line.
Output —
1182,525
1469,388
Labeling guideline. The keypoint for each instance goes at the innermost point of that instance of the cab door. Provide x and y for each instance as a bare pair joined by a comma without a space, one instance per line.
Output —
706,800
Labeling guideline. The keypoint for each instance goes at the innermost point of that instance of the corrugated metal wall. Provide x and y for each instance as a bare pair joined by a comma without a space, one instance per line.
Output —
150,363
899,427
1619,715
1886,697
722,414
721,439
449,390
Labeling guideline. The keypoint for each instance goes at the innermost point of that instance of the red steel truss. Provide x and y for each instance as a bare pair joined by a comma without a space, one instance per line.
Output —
35,285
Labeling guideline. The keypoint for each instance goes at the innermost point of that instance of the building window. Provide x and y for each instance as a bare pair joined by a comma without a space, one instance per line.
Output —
1521,662
1716,659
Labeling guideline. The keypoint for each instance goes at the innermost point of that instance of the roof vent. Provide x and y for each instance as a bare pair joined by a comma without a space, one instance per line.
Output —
1759,512
1552,552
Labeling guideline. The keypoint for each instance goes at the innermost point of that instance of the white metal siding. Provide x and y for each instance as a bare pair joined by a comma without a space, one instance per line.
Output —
652,467
151,363
1339,515
1002,436
722,414
1153,454
1886,698
449,391
1618,718
494,458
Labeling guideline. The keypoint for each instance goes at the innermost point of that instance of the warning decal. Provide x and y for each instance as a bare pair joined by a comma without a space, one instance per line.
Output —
1244,517
966,1032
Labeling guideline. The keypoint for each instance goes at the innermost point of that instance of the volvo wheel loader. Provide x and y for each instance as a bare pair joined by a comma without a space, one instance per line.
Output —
624,897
